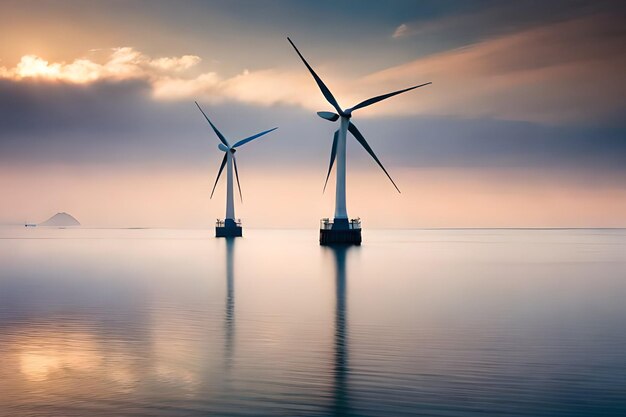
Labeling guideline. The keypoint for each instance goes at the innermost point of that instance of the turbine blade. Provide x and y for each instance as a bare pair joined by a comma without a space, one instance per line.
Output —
325,91
253,137
217,132
333,154
218,174
352,128
376,99
237,176
328,115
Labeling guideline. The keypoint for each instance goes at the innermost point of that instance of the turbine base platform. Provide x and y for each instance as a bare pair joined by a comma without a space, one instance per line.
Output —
228,228
340,232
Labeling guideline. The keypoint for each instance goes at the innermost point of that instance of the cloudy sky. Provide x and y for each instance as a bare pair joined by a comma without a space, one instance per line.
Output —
524,124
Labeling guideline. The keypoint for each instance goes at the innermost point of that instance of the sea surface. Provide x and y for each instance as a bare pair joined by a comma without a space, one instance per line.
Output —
157,322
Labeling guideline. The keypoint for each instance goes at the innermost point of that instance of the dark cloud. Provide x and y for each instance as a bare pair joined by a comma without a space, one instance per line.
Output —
34,106
494,143
112,122
120,124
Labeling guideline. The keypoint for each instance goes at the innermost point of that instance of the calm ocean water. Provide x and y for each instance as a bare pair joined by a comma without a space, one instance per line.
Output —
422,322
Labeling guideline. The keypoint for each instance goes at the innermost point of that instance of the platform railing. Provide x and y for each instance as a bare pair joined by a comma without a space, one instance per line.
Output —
222,223
327,224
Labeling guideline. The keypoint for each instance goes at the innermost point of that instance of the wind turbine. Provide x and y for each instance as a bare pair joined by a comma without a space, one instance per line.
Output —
229,227
341,230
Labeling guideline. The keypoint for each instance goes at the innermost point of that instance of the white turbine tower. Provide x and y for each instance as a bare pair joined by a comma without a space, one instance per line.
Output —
229,227
341,230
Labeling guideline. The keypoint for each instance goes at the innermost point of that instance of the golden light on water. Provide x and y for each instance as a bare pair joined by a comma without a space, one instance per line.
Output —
38,366
48,357
53,353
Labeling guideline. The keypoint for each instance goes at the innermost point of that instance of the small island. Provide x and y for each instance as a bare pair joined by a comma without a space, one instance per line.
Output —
61,220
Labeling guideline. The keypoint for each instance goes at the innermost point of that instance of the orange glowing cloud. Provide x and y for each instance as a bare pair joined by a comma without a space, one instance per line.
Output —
123,63
560,72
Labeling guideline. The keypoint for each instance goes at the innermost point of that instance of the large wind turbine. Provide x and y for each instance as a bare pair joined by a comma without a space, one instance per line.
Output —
229,227
338,152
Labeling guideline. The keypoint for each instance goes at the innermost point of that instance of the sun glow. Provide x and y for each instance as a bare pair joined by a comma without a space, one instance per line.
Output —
123,63
79,71
33,66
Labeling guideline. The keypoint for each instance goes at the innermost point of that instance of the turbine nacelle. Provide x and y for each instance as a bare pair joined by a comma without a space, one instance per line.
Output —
328,115
332,116
225,149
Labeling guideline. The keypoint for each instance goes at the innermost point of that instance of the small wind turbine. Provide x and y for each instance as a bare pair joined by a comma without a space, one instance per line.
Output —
336,232
229,227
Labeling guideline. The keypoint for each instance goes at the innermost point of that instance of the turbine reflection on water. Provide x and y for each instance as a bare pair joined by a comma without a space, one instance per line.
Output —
229,313
341,370
340,405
